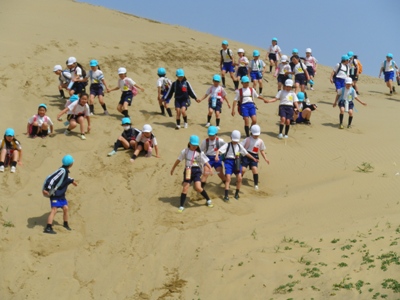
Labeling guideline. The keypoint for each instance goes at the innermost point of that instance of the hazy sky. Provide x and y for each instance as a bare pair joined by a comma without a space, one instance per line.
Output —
330,28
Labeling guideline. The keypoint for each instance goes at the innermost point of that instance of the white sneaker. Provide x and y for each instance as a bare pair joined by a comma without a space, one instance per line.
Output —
209,203
83,137
67,132
91,114
186,125
111,153
177,127
13,169
208,125
218,128
280,136
256,187
286,136
1,168
181,208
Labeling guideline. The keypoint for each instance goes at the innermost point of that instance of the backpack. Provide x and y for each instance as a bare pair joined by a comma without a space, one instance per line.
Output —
391,63
54,188
132,88
241,99
228,52
208,143
340,69
166,84
188,101
83,73
358,65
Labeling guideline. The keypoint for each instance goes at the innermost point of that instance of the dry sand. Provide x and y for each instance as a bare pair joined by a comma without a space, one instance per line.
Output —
316,229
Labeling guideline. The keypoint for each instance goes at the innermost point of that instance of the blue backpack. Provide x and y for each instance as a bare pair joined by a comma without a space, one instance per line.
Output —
54,188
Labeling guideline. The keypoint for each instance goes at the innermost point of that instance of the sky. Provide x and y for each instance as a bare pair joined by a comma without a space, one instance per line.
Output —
329,28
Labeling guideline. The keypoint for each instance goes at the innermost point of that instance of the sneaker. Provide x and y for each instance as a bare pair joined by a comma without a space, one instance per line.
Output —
67,132
223,86
348,126
226,199
292,122
83,137
307,122
1,168
256,187
394,89
111,153
92,114
236,196
286,136
186,125
311,88
149,154
49,230
177,127
13,169
391,92
341,126
106,113
280,136
180,209
208,125
218,128
67,227
209,203
260,94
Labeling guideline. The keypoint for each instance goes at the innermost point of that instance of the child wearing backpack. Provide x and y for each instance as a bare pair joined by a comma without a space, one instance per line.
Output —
55,187
10,151
282,71
311,63
227,64
145,141
253,145
216,95
339,73
355,69
39,124
301,76
389,70
127,139
273,54
346,98
232,162
97,86
256,71
163,85
194,160
242,65
64,78
78,77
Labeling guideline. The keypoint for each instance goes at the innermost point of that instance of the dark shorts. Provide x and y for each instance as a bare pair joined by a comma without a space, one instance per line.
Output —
339,83
242,71
218,106
229,164
286,111
74,117
78,87
181,103
96,89
126,97
255,75
300,79
300,118
59,203
282,78
214,164
247,162
195,175
228,67
342,104
354,77
272,56
389,76
248,109
310,71
163,93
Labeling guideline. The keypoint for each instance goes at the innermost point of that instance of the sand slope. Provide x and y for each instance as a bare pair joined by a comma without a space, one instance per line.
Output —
316,229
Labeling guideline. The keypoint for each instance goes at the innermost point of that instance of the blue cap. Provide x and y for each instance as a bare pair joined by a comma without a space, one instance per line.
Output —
73,98
274,39
350,54
212,130
224,42
42,105
180,73
217,77
295,50
345,57
300,96
256,53
194,140
93,63
389,55
67,160
245,79
161,71
126,121
9,132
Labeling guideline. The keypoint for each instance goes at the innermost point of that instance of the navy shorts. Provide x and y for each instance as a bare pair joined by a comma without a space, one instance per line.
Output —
310,71
242,71
163,93
181,103
339,83
389,76
126,97
354,77
214,164
255,75
248,109
342,104
59,203
286,111
218,106
282,78
300,118
229,164
78,87
272,56
247,162
96,89
195,175
300,79
228,67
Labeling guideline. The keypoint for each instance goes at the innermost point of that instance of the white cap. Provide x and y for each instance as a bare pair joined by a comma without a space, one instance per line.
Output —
71,60
236,136
308,50
240,50
57,68
121,71
348,81
147,128
289,82
255,130
284,58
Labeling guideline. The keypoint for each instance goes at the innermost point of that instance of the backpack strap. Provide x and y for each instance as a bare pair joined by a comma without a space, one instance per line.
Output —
227,52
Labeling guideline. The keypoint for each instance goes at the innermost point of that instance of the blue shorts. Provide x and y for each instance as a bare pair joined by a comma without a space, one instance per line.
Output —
310,71
272,56
282,78
242,71
300,118
389,76
248,109
195,175
59,203
229,164
342,104
96,89
163,93
181,103
339,83
214,164
300,79
218,106
126,97
286,111
228,67
247,162
255,75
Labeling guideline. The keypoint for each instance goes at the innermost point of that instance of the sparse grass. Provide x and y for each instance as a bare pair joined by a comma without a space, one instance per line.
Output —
254,234
365,168
334,241
8,224
286,288
346,247
302,260
389,258
342,265
391,284
311,272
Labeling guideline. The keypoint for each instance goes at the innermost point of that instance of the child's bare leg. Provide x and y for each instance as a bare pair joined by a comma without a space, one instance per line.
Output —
51,215
65,213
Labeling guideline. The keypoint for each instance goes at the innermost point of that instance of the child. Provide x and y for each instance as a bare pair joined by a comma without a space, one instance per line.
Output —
300,73
389,70
256,71
303,115
55,187
210,146
127,138
242,64
38,125
64,78
78,77
129,91
163,85
78,111
146,141
227,64
346,98
10,151
354,69
287,100
273,54
194,160
183,90
217,95
97,86
311,64
232,162
281,71
253,145
340,72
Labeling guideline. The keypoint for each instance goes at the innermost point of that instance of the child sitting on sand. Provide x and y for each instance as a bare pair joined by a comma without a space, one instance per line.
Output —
38,125
127,138
163,85
10,151
303,115
145,141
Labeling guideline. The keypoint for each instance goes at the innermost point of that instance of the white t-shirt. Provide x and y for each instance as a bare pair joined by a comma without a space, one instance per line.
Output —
65,76
286,98
274,49
143,139
299,68
218,92
126,84
246,95
76,109
225,56
233,149
348,94
257,65
390,66
343,72
13,145
193,158
243,61
40,120
212,146
283,68
253,145
162,83
311,61
76,73
96,76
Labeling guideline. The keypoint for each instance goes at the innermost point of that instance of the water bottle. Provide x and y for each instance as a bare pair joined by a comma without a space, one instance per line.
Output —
71,83
346,105
237,162
213,101
188,173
